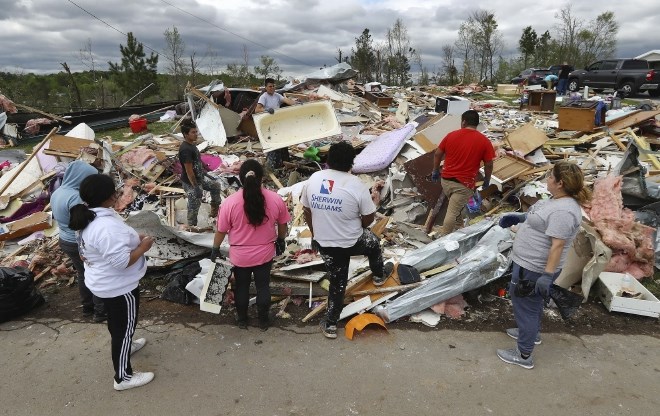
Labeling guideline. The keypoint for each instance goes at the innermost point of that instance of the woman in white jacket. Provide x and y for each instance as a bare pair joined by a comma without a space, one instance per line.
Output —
114,260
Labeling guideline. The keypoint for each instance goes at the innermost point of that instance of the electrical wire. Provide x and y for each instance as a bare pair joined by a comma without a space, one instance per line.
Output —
115,29
234,34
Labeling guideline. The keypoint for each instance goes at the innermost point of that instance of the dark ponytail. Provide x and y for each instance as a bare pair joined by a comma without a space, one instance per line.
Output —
94,191
251,174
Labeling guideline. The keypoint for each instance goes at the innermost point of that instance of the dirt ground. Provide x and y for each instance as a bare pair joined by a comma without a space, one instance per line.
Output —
486,312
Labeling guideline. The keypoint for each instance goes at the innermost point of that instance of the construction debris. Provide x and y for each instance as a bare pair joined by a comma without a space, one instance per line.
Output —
395,131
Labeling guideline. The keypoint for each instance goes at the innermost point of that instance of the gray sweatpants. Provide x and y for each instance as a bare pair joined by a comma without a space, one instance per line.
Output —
527,310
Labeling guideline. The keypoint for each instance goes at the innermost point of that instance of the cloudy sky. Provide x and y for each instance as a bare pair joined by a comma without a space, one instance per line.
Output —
302,35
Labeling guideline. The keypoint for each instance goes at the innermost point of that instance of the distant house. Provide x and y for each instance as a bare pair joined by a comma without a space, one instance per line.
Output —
653,57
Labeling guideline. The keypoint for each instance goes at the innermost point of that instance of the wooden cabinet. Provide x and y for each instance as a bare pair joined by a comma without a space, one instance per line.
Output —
543,100
579,116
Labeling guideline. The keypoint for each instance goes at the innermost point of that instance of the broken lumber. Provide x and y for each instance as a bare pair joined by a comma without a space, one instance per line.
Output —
27,161
49,115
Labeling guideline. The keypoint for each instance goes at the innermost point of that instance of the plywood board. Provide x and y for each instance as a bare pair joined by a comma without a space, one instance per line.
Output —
526,139
632,120
437,131
66,144
508,167
35,222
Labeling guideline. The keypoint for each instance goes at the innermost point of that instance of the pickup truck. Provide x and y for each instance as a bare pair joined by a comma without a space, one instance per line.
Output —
629,76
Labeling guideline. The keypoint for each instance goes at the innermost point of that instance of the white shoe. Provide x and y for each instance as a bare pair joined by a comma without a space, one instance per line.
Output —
137,345
137,379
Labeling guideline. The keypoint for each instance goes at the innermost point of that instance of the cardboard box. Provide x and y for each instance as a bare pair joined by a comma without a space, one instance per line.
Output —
609,291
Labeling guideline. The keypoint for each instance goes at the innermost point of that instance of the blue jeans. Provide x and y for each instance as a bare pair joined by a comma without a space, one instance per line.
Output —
561,86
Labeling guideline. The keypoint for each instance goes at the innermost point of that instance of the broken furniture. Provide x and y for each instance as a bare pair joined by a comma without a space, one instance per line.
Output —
543,100
378,98
452,105
580,116
630,297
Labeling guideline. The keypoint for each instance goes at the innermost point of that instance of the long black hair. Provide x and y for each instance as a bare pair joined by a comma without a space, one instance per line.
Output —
94,191
251,174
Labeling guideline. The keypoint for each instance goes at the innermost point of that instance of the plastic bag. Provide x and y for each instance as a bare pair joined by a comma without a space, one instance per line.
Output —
18,295
567,302
175,291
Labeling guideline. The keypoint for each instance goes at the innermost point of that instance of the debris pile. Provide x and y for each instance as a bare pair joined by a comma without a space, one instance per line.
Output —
396,131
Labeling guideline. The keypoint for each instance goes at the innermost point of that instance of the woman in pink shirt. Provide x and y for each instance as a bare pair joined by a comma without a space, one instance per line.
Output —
250,217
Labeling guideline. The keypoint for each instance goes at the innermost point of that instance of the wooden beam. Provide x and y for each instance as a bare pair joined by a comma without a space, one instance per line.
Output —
53,116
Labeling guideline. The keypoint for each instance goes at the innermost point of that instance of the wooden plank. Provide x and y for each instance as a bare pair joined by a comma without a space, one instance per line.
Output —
526,138
645,146
49,115
24,164
66,144
633,119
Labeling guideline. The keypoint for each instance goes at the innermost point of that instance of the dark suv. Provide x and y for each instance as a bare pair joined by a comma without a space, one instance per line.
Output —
626,75
534,76
556,68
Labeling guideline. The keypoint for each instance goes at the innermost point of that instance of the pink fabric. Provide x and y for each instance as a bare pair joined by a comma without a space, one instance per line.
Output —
210,163
7,104
127,195
33,126
251,246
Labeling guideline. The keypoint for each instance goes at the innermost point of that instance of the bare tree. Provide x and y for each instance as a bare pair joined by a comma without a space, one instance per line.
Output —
488,40
465,46
568,29
174,51
88,60
448,65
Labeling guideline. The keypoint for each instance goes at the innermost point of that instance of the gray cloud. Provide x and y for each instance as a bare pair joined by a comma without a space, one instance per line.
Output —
37,36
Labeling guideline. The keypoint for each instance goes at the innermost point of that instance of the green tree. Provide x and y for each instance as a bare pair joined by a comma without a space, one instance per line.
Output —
135,71
598,39
268,67
363,57
543,50
527,44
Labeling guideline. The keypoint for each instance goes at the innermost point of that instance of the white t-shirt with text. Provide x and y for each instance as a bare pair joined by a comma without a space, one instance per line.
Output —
337,201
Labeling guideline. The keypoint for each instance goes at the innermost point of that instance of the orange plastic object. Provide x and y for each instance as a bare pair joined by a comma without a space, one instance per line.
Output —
361,321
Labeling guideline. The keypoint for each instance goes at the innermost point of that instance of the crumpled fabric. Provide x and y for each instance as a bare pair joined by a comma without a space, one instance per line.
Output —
33,126
27,208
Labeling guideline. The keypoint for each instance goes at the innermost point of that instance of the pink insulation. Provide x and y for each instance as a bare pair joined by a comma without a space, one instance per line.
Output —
630,241
127,194
454,307
137,158
7,105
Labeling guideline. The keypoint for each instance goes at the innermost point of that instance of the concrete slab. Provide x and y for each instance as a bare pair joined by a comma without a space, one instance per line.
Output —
60,367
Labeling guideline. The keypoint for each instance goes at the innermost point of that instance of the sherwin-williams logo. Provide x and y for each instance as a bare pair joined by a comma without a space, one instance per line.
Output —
326,186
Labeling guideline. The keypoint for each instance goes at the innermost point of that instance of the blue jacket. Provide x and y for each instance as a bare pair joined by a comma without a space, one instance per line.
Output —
67,195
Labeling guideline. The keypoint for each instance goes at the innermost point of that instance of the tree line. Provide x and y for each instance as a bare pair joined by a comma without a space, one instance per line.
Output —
474,56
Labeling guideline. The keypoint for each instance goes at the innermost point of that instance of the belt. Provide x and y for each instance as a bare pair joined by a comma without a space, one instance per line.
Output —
452,179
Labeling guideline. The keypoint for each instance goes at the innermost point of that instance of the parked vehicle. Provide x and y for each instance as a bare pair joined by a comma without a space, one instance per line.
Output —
556,68
534,76
629,76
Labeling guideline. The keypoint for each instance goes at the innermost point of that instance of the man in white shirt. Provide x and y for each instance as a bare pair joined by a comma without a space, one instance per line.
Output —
338,208
270,101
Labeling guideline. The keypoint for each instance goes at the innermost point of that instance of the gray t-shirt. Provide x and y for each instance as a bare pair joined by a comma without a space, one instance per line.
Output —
547,219
271,101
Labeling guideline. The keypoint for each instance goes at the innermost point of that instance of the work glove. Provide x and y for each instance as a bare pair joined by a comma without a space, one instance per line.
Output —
509,220
280,246
198,192
543,284
215,254
271,111
435,175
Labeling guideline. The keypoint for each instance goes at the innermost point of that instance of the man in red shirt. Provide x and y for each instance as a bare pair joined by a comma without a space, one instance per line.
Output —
463,151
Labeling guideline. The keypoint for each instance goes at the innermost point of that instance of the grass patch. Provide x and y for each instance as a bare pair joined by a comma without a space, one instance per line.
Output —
653,284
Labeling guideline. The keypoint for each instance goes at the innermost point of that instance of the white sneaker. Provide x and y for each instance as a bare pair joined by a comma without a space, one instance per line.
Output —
138,379
137,345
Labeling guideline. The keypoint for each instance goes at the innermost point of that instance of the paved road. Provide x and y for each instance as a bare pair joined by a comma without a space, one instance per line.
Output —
59,367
